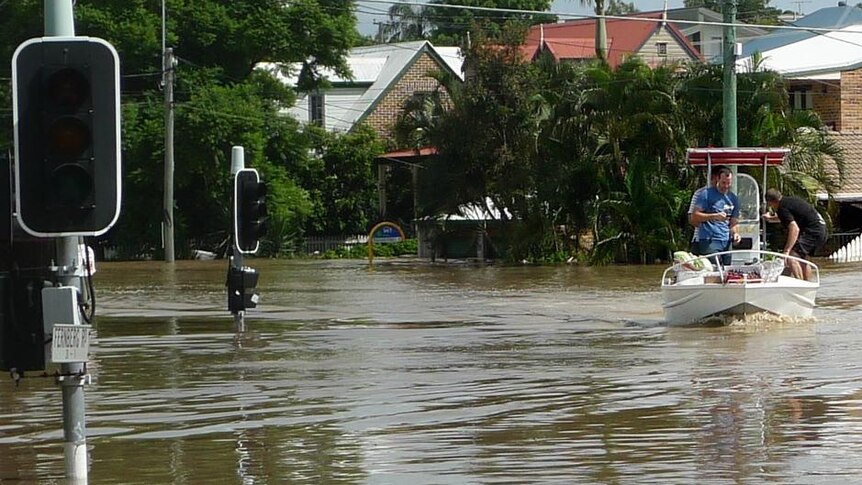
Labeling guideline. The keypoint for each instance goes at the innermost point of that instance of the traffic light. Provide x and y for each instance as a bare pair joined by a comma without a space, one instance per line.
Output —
241,283
66,101
22,334
249,210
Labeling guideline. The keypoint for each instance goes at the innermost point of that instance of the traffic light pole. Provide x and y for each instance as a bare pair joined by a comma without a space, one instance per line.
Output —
237,163
59,21
168,223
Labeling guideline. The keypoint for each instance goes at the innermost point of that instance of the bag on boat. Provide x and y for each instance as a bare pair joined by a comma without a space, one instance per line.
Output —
772,269
691,262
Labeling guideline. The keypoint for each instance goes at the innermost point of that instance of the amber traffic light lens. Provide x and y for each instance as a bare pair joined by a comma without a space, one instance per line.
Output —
68,137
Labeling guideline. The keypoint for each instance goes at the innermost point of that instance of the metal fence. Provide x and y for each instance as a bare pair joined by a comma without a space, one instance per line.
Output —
321,244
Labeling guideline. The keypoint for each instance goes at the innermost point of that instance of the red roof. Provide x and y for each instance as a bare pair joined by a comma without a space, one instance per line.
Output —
572,48
625,37
737,156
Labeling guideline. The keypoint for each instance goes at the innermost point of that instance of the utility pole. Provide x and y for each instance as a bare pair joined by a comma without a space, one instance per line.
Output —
168,222
729,97
729,92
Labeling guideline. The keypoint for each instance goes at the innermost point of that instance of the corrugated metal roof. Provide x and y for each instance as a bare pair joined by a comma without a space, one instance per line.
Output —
827,18
571,48
627,36
454,58
834,51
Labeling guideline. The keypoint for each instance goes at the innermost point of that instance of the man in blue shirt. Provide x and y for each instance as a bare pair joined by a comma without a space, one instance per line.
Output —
716,213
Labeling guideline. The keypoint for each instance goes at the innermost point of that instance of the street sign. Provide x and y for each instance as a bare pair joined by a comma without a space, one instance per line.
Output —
70,343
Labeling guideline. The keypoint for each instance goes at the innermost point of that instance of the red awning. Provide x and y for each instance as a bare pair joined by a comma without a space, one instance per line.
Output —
410,153
737,156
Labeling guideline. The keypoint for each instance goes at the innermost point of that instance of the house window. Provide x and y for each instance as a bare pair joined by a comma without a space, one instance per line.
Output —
316,109
661,49
718,42
417,99
695,41
801,98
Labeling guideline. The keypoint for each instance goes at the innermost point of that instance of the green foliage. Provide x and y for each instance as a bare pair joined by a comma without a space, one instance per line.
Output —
590,160
748,11
450,25
220,100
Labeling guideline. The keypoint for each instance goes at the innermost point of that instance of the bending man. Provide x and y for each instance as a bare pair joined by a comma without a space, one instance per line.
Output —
806,229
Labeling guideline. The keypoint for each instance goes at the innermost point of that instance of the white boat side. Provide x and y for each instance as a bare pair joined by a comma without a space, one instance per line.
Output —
738,289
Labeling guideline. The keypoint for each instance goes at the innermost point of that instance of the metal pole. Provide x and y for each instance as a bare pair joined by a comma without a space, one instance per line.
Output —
60,21
237,163
168,223
729,92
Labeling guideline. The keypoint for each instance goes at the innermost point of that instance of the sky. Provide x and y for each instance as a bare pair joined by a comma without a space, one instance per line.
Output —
368,13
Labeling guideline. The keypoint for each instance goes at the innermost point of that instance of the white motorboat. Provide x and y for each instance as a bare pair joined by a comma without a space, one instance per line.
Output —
752,285
753,282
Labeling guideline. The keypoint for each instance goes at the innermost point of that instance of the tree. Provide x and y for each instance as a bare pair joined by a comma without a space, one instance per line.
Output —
342,181
452,24
749,11
619,7
406,22
220,101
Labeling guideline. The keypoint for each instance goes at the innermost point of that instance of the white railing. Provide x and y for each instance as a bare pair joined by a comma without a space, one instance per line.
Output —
757,257
848,253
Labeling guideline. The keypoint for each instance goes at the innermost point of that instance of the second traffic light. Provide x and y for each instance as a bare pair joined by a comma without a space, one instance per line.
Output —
249,210
66,98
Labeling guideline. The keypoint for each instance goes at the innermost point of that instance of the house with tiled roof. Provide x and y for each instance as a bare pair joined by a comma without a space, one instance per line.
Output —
649,36
384,77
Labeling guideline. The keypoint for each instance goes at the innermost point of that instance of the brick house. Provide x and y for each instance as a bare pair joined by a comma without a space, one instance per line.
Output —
384,77
824,74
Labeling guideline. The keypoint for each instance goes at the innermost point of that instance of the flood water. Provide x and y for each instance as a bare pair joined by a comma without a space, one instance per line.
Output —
418,373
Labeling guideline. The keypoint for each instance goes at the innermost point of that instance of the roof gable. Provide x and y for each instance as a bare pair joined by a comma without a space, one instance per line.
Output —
627,35
376,68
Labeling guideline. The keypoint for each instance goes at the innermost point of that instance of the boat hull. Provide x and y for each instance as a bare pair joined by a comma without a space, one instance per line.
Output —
688,303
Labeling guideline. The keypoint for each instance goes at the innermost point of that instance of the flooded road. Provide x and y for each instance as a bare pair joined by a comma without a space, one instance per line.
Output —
419,373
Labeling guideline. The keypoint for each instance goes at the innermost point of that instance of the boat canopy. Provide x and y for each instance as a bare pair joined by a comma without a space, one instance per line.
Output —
736,156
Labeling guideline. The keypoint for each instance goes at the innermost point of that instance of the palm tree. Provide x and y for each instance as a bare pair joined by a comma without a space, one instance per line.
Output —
601,27
405,23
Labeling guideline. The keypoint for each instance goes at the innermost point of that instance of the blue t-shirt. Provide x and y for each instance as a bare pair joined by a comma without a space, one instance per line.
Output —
711,201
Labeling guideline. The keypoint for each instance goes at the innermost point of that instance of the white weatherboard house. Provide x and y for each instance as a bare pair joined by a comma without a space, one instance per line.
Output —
384,77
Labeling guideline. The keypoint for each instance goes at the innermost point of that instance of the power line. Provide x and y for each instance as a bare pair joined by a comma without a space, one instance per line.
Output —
577,16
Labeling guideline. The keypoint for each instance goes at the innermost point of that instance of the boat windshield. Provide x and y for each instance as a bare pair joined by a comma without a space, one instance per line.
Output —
749,198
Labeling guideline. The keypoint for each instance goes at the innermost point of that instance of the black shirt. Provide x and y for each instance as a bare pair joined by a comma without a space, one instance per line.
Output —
792,208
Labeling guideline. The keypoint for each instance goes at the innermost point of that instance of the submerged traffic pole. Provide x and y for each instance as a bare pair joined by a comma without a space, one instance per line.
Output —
237,163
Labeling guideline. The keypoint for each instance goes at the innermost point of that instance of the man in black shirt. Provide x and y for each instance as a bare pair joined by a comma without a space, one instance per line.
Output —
806,229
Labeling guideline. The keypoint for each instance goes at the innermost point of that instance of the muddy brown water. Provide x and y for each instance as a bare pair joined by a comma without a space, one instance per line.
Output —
418,373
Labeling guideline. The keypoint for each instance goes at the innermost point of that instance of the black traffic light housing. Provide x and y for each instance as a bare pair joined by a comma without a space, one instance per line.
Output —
241,283
66,115
249,210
